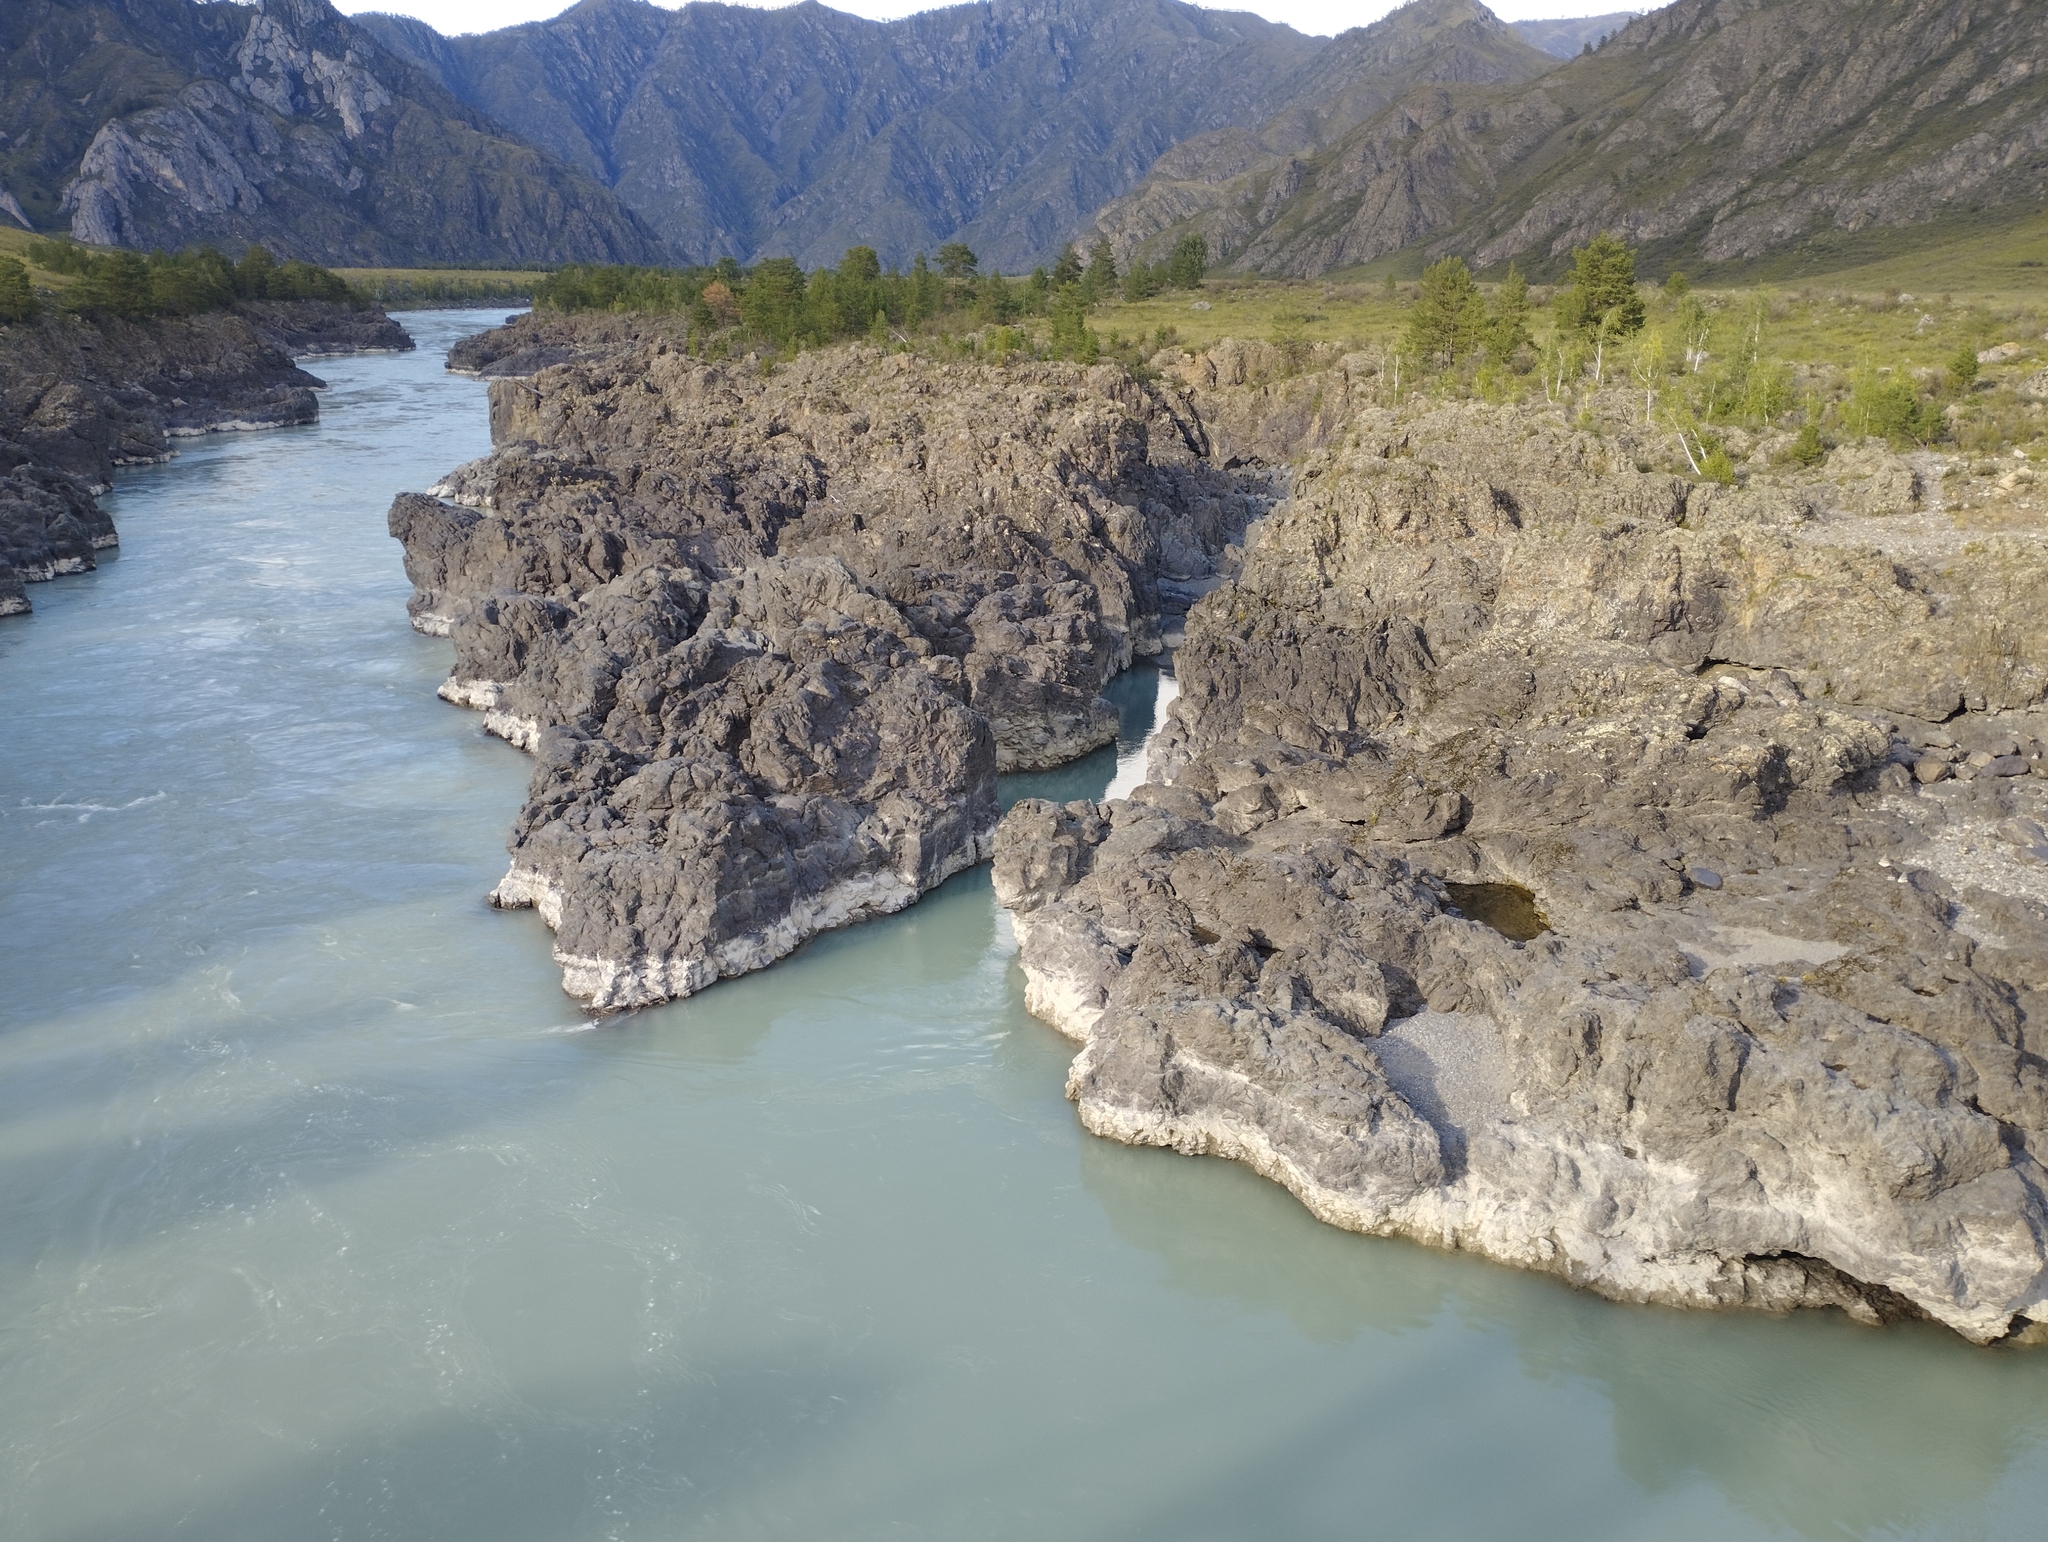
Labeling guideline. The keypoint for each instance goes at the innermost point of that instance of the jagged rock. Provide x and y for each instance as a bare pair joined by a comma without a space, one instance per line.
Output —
925,572
172,123
1531,864
80,396
779,761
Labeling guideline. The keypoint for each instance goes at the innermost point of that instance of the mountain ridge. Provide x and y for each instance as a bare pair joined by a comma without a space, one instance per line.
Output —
167,122
800,131
1712,131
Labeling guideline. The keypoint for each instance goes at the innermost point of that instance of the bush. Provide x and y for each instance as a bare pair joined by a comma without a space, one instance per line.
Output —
1807,449
1887,406
1962,369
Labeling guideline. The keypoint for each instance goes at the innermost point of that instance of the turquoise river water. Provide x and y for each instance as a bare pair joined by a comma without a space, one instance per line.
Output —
325,1214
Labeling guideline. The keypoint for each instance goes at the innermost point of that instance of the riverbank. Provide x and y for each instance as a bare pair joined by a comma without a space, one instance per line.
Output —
328,1215
83,395
772,633
1459,897
1552,858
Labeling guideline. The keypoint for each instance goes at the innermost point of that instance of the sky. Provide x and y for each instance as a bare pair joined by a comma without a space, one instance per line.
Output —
1325,17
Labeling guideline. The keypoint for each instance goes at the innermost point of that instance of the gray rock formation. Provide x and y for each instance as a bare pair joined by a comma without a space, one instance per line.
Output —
771,636
171,123
80,396
1537,862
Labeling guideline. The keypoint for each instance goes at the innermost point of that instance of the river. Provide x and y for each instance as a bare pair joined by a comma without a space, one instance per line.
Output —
326,1215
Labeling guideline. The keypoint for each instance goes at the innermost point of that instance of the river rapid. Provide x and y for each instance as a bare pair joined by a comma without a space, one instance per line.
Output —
325,1214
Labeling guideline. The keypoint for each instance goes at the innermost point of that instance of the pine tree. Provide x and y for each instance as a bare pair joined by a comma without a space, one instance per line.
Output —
1602,296
1448,315
17,298
1072,338
1068,269
860,265
116,283
1102,265
1188,262
254,272
1507,324
773,303
1962,369
957,260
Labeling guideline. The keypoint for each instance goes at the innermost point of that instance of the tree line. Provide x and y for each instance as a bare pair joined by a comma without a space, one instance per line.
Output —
777,305
137,286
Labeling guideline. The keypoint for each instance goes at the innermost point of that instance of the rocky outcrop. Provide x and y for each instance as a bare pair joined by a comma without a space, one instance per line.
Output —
1565,862
80,396
771,634
170,123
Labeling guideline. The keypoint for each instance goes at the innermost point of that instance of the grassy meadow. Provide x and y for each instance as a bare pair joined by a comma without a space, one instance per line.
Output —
1839,350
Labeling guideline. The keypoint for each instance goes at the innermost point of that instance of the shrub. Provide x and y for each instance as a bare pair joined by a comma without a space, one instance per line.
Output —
1807,448
1962,369
1887,406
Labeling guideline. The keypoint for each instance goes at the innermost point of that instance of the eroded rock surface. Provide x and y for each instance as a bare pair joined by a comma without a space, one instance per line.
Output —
772,634
81,396
1779,1042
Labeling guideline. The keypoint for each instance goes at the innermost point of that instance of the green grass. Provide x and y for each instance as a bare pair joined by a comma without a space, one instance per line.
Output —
1838,340
2002,265
15,242
1317,310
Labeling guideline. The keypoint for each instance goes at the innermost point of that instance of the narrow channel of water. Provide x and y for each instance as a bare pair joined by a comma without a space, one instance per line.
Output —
323,1214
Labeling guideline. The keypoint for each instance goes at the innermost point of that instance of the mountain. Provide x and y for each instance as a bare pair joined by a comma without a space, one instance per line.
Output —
1563,38
801,131
1225,184
1711,131
166,122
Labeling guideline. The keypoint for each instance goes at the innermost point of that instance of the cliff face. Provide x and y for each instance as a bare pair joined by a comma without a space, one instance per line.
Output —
771,638
167,122
80,396
1712,130
1631,880
1546,855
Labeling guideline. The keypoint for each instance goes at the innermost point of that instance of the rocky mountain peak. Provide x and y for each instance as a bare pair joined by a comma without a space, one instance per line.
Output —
169,122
